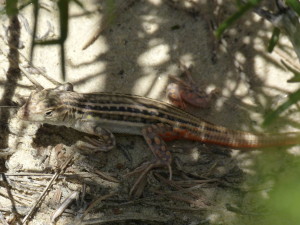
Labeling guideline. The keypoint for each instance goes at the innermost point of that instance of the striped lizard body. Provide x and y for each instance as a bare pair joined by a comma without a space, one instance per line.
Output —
102,114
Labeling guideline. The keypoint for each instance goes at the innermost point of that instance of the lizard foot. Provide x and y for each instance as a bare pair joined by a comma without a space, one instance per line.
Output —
143,170
102,144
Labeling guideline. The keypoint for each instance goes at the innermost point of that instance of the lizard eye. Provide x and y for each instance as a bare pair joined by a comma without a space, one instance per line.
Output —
48,113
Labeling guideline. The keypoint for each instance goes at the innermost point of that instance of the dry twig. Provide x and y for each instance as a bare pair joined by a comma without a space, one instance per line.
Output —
39,200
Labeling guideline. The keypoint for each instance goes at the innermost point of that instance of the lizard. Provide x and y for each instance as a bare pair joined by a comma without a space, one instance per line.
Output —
181,92
102,114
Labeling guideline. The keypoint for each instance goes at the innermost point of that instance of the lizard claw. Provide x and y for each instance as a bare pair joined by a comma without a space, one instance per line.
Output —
103,144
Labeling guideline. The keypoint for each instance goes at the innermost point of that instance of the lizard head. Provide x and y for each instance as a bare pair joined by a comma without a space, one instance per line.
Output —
45,105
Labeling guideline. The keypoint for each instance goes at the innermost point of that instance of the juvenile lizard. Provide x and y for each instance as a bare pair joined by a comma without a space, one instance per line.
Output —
102,114
183,92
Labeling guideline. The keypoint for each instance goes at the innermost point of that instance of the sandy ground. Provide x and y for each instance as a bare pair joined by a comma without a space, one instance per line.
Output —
135,54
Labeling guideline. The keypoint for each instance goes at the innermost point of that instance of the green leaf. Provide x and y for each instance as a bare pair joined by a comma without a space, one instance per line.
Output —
294,79
293,98
296,73
229,21
294,4
274,39
11,7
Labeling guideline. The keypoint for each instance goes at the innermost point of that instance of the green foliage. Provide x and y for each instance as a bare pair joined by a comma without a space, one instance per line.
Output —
293,98
296,73
233,18
11,7
284,199
294,4
283,204
290,25
274,39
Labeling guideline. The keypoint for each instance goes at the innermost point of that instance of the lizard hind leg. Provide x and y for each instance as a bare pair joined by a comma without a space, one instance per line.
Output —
152,135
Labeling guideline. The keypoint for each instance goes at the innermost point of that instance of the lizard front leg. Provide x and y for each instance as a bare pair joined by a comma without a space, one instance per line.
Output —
105,142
